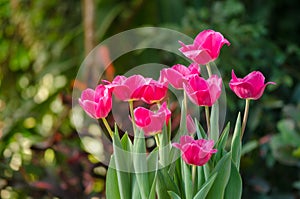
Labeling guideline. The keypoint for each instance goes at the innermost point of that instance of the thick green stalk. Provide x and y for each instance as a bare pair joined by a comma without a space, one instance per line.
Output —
107,127
208,70
132,116
246,112
194,169
207,120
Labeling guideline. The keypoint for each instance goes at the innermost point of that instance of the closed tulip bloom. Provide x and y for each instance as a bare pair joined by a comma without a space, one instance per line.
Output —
195,152
125,88
178,74
96,103
205,48
152,122
203,92
190,125
250,87
152,92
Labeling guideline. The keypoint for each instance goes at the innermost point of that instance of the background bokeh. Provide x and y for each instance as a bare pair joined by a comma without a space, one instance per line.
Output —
43,43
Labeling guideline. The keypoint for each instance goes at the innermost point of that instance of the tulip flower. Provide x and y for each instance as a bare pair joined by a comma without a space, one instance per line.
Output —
125,88
152,91
205,48
178,74
96,103
190,125
203,92
195,152
152,122
250,87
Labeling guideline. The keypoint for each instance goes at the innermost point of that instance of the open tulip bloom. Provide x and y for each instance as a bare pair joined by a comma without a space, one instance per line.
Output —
191,162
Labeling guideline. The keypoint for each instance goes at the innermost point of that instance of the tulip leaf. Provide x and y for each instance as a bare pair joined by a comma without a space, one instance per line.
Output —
174,195
122,161
200,178
234,185
187,179
140,163
214,122
223,172
152,194
221,144
112,188
200,131
236,144
164,147
206,171
152,163
165,183
126,143
136,194
206,187
182,128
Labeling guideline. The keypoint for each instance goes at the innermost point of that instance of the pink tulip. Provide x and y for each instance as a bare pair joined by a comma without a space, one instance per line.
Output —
178,74
195,152
152,91
125,88
203,92
250,87
96,103
152,122
191,127
206,47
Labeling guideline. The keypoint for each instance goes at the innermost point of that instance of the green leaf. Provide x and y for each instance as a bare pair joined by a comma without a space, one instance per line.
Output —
223,172
201,134
164,148
112,188
214,122
221,144
140,164
165,183
206,187
136,194
182,129
174,195
126,142
200,180
236,144
152,162
187,179
122,165
152,194
234,185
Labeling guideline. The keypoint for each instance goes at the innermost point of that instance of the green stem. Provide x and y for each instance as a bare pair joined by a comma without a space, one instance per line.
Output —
194,169
107,127
208,70
246,112
185,101
157,140
132,116
207,120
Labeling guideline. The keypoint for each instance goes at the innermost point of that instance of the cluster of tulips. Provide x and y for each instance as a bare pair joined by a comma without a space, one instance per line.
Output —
197,147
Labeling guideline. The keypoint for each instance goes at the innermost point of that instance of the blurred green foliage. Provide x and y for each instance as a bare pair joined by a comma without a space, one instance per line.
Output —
42,46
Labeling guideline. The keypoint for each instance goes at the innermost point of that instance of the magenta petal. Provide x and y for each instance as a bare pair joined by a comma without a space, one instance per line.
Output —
90,108
250,87
88,94
142,116
185,139
191,127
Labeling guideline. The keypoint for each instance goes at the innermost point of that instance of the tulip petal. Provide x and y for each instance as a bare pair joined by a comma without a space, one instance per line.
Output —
142,116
